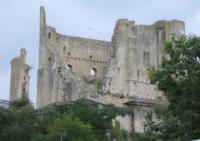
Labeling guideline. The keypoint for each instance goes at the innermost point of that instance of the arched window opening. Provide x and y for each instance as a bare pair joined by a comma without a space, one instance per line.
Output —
93,72
68,53
68,67
90,56
49,35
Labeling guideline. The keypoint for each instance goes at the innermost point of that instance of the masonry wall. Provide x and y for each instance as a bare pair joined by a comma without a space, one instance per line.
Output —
19,80
83,56
137,48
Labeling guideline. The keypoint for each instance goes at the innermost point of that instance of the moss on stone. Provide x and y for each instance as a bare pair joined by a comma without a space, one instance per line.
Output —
97,82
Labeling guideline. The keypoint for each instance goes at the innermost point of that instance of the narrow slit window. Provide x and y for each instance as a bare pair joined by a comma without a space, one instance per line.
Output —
118,70
64,48
148,58
144,57
138,74
49,59
49,35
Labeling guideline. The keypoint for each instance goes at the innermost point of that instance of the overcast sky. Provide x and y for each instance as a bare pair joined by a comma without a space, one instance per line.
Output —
19,24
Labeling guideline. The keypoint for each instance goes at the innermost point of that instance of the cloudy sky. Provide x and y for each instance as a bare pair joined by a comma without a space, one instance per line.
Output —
19,24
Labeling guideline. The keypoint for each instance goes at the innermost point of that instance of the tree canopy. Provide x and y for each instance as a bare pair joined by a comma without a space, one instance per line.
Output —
78,121
178,78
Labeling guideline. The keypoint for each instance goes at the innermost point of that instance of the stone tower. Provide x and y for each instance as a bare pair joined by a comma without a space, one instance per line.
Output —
19,81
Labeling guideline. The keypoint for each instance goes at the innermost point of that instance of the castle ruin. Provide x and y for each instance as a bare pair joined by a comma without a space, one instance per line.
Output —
19,81
112,72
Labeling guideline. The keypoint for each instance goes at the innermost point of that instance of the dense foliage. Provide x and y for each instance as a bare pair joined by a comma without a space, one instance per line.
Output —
79,121
18,123
179,79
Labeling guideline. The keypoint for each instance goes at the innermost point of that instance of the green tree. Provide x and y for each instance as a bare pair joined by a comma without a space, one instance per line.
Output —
68,129
21,102
19,123
99,118
78,121
179,79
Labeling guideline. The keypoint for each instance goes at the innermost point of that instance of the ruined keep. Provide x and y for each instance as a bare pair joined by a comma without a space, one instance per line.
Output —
106,72
19,81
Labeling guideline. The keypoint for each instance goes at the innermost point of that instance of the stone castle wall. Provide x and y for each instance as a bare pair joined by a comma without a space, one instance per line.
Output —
137,48
67,64
81,55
